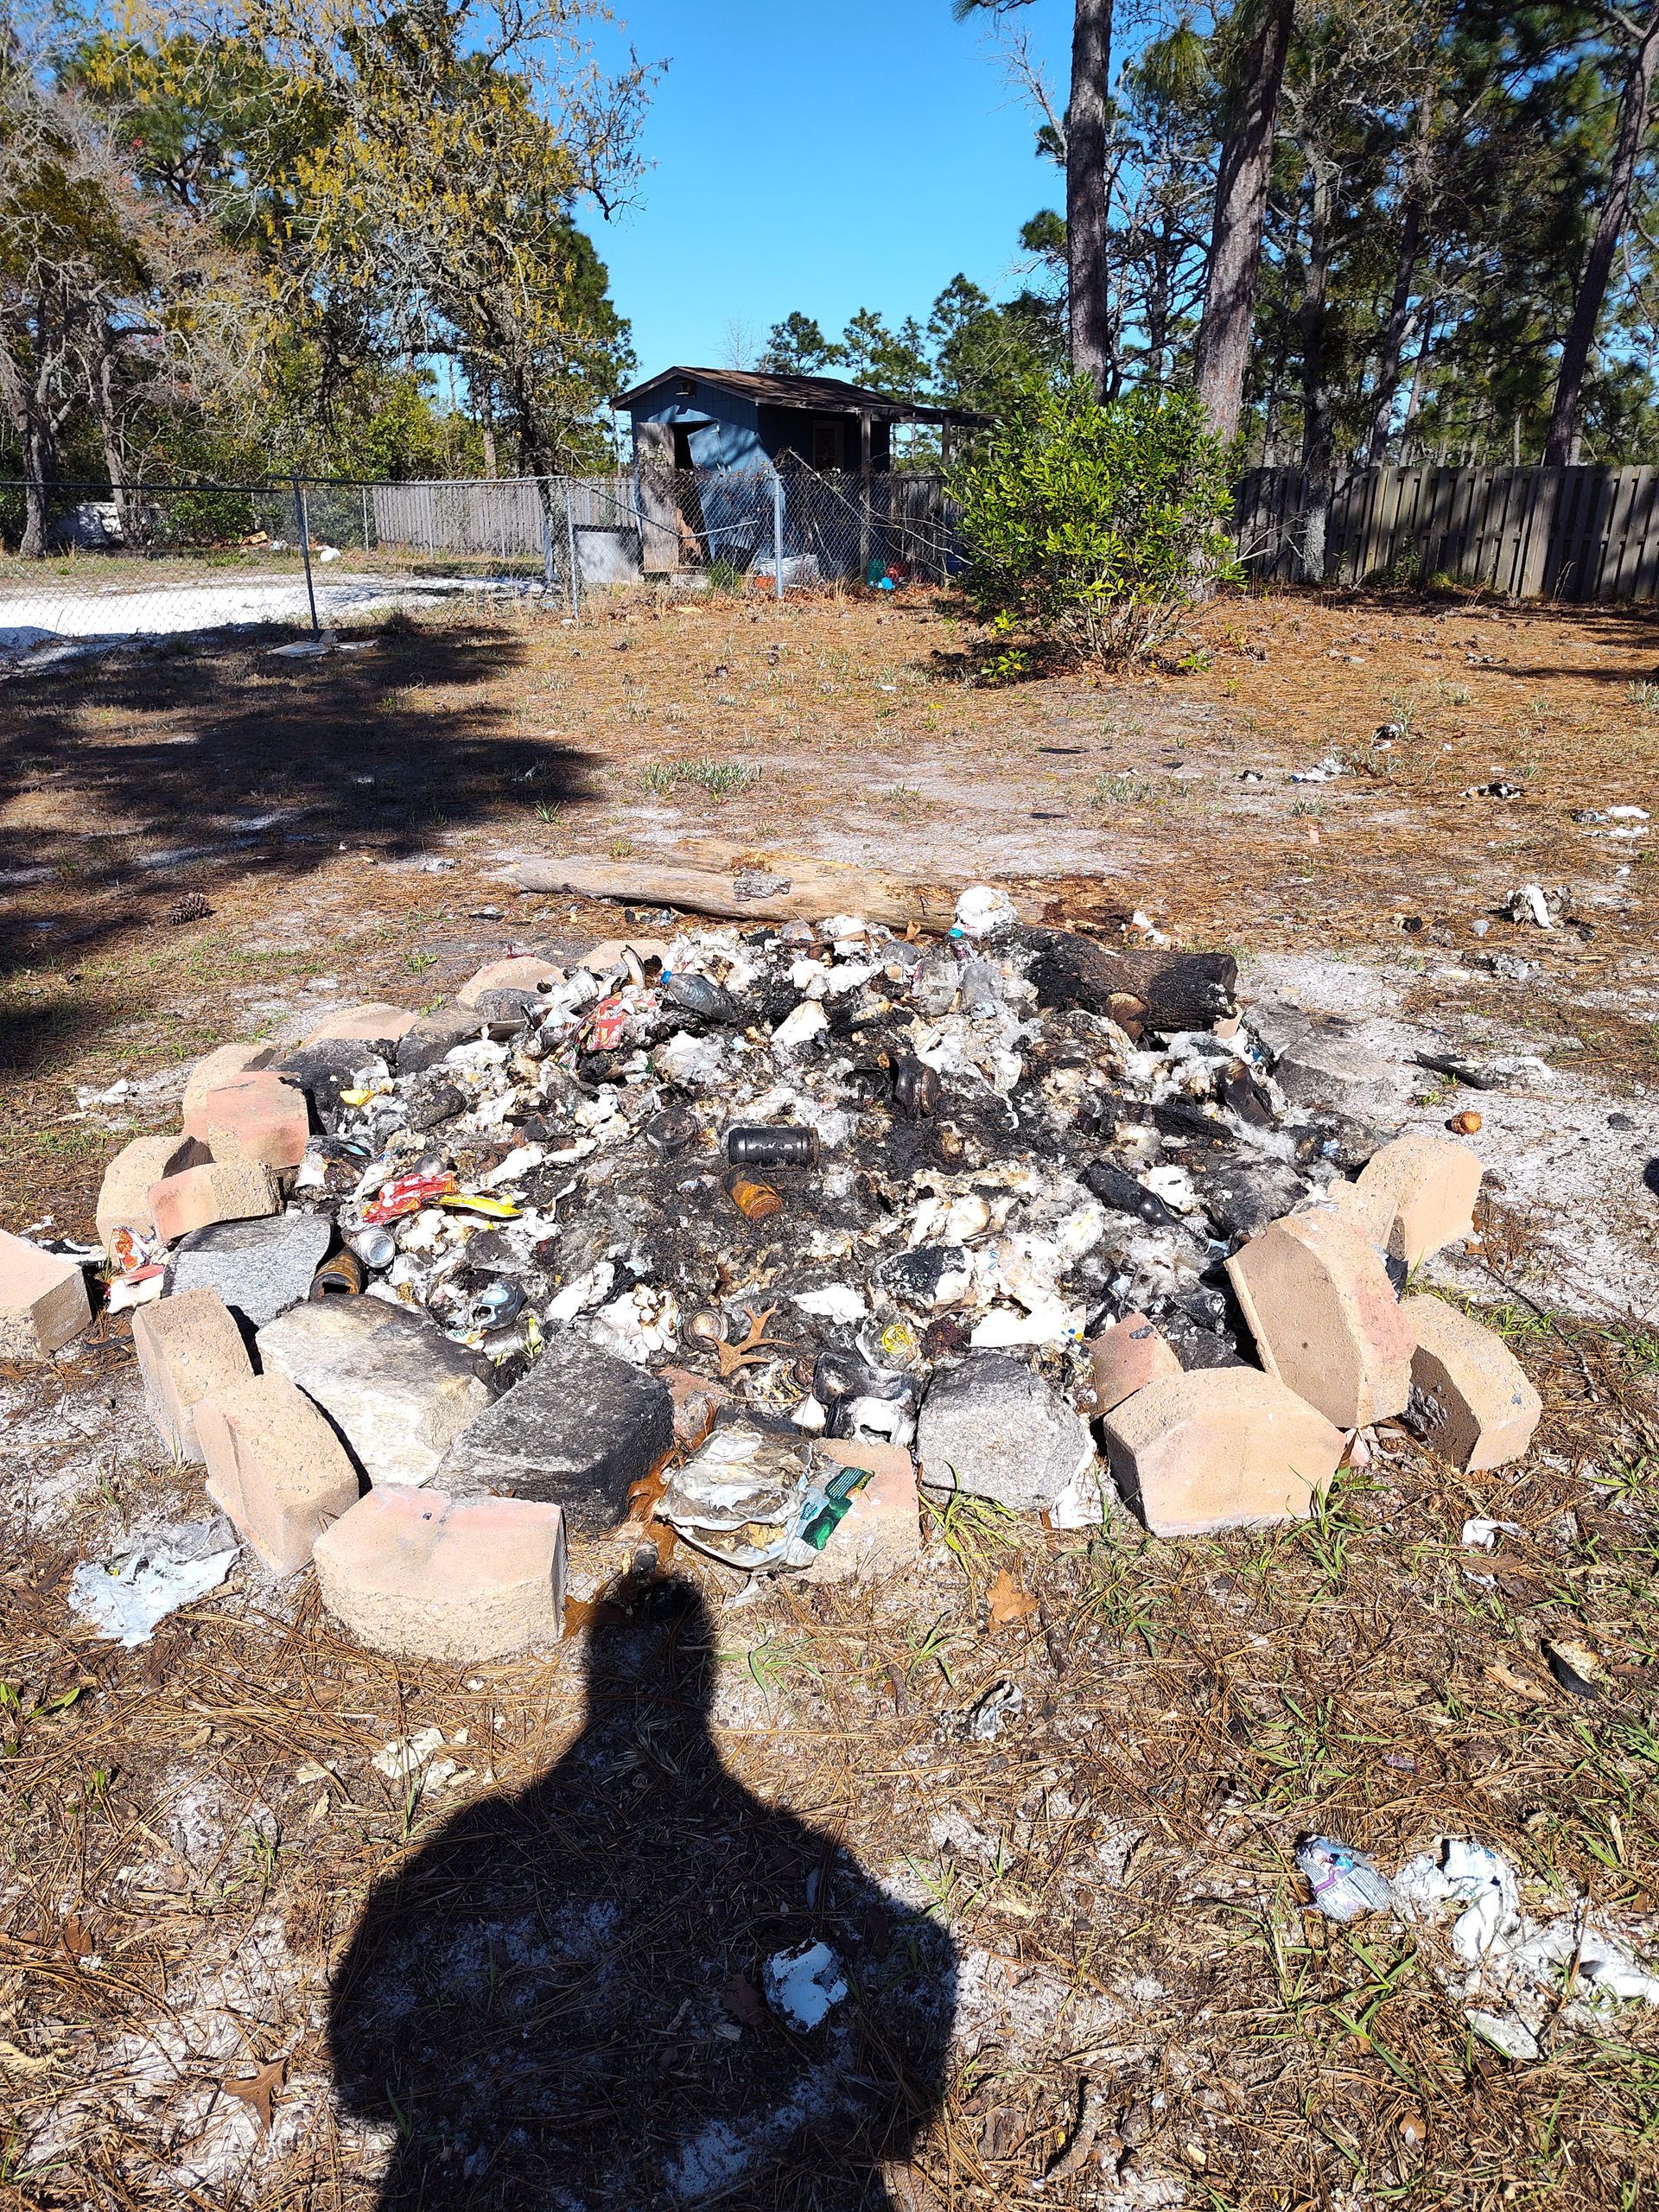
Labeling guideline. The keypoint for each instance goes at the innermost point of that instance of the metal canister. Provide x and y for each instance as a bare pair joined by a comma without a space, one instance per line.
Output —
375,1248
341,1275
757,1201
671,1130
772,1146
915,1088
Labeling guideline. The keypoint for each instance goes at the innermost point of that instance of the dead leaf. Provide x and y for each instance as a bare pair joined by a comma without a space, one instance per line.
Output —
751,1351
581,1613
1497,1672
76,1941
1009,1602
744,2002
660,1534
258,2089
23,2061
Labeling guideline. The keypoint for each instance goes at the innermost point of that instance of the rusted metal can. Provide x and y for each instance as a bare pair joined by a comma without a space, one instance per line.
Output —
756,1201
339,1275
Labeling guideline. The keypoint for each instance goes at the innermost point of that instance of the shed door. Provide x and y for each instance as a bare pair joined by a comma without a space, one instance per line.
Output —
829,442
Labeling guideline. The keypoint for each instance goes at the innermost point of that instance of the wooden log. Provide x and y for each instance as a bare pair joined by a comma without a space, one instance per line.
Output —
786,890
1139,989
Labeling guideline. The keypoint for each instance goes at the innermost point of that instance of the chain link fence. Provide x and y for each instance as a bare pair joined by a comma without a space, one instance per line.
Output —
132,562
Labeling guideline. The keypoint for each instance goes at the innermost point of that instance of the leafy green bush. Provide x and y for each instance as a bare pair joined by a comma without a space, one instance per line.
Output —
1089,526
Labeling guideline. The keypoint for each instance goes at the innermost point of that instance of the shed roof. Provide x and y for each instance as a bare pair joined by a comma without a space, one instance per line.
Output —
813,395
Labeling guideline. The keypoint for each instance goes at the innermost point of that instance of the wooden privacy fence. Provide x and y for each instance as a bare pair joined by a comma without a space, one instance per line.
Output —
1588,533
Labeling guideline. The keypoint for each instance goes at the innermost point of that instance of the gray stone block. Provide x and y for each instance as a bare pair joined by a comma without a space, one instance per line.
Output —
1323,1068
433,1035
258,1267
579,1431
395,1388
991,1427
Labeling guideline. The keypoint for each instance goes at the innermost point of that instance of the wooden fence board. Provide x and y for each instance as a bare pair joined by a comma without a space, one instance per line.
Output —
1582,534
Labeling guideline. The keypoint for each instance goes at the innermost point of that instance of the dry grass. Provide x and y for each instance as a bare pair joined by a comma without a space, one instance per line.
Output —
191,1830
1115,1870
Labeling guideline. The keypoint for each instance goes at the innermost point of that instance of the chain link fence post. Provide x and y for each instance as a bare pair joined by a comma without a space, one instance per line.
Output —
304,520
778,532
570,547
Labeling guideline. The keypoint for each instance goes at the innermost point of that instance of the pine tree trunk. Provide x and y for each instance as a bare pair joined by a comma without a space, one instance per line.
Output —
1319,450
1561,442
1086,212
1242,178
1391,347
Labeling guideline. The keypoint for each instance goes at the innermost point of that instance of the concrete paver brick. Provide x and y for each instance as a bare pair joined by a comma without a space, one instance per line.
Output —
187,1347
1317,1296
44,1302
275,1466
1221,1447
1126,1358
1471,1401
415,1571
1427,1184
220,1190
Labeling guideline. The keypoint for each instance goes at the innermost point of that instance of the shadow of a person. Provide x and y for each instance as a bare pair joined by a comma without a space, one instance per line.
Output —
555,2004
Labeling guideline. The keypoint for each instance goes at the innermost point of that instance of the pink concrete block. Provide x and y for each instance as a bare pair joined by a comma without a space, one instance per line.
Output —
187,1347
275,1466
881,1533
253,1118
462,1579
195,1198
43,1303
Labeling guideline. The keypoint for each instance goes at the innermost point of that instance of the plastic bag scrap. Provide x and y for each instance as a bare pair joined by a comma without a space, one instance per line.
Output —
1346,1884
127,1596
803,1986
1510,1973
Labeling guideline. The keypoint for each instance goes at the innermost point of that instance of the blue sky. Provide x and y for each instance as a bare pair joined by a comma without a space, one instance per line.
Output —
825,158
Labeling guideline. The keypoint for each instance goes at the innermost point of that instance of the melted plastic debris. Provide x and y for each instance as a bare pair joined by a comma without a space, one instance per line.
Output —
127,1596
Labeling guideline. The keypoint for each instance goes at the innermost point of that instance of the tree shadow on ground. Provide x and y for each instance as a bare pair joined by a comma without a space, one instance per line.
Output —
556,2002
125,781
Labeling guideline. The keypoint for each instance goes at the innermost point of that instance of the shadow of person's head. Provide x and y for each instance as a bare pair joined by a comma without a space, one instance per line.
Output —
562,1998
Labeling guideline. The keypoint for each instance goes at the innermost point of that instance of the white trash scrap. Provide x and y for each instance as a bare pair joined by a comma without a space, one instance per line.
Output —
1511,1974
128,1595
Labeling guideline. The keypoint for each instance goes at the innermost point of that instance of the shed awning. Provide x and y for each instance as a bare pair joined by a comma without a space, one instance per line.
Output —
810,394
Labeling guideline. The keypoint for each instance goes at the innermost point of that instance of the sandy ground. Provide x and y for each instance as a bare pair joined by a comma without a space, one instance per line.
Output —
192,1830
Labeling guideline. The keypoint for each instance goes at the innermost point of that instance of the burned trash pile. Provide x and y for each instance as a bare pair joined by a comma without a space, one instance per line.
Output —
745,1233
